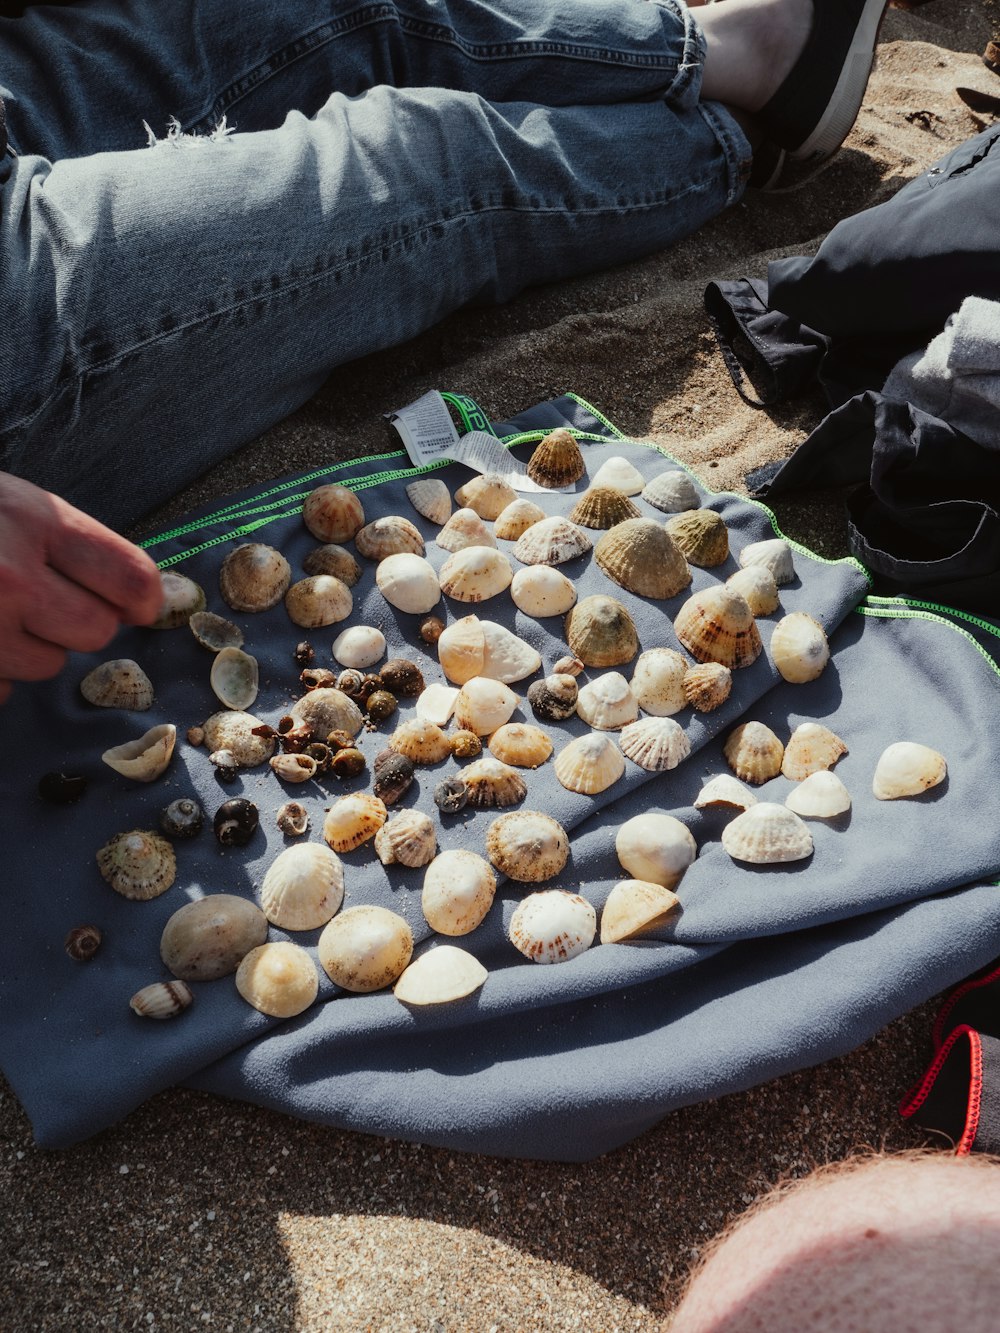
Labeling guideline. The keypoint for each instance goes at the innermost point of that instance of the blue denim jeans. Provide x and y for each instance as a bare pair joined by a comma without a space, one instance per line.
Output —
339,175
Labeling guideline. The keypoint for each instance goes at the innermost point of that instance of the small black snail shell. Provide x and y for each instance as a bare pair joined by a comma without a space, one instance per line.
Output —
236,822
304,653
182,818
451,795
61,788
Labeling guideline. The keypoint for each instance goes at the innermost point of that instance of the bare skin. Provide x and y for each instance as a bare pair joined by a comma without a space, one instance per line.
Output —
751,48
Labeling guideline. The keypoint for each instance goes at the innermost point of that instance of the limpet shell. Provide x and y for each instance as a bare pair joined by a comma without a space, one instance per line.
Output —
162,999
724,791
520,744
821,795
589,764
359,647
527,846
767,834
465,528
702,537
754,752
671,492
607,702
756,584
391,535
352,820
655,743
408,837
120,683
774,554
440,976
506,656
810,749
437,703
254,577
658,681
318,600
541,590
462,649
334,560
303,887
657,848
138,864
602,507
553,926
554,698
215,632
332,513
431,499
556,461
799,648
634,907
365,948
489,784
717,625
233,731
483,705
517,518
408,582
234,678
620,474
600,632
278,979
489,495
707,686
907,768
458,892
327,709
206,939
641,556
422,742
182,597
144,759
475,574
551,541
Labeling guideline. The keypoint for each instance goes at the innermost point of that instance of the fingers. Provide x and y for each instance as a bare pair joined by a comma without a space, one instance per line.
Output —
5,688
100,560
26,657
66,614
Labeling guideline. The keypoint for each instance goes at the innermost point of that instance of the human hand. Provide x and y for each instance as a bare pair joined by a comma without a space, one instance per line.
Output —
66,583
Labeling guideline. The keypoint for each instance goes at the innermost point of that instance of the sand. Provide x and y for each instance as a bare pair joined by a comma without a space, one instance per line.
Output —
196,1212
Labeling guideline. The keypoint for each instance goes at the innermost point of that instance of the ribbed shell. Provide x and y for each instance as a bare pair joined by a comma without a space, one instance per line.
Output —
392,535
607,702
334,560
717,625
655,743
407,838
589,764
518,517
707,686
333,513
489,495
464,528
723,790
527,846
767,834
318,600
491,784
254,577
671,492
774,554
642,557
756,584
120,683
811,748
702,536
754,752
557,460
352,820
423,742
475,574
138,864
553,541
162,999
603,507
553,926
303,887
600,632
431,499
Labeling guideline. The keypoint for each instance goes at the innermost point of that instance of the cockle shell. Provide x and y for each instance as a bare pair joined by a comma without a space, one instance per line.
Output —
554,698
359,647
254,577
527,846
541,590
334,560
707,686
408,582
365,948
600,632
423,742
774,554
475,574
754,752
489,495
551,541
490,784
483,705
318,600
518,517
278,979
182,597
702,537
407,838
327,709
465,528
431,499
458,892
655,743
671,492
206,939
144,759
810,749
233,731
602,507
607,702
642,557
717,625
120,683
767,834
620,474
234,678
556,461
655,847
756,584
907,768
553,926
440,976
332,513
138,864
215,632
303,887
724,790
391,535
635,907
162,999
506,657
799,648
437,703
520,744
821,795
658,681
352,820
589,764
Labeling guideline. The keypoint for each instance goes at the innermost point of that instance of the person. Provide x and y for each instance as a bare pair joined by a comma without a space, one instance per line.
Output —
317,180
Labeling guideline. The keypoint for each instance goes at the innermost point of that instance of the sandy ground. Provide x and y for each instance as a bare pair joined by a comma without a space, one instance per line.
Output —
195,1212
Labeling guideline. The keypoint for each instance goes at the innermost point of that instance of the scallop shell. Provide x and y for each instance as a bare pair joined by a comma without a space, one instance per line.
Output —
120,683
527,846
541,590
408,582
774,554
440,976
754,752
635,907
724,791
655,743
671,492
431,499
392,535
206,939
657,848
278,979
144,759
799,647
138,864
233,731
907,768
318,600
551,541
437,703
483,705
334,560
462,649
767,834
702,537
590,764
707,686
642,557
556,461
215,632
458,892
554,698
234,678
475,574
553,926
465,528
162,999
517,518
489,495
756,584
607,702
506,657
303,887
717,625
423,742
254,577
602,507
658,681
333,513
327,709
621,475
490,784
365,948
182,597
600,632
359,647
352,820
407,838
520,744
821,795
811,748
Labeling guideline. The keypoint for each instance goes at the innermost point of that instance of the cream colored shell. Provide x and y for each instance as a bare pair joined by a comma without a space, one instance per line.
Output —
483,705
553,926
521,744
907,768
600,632
407,838
120,683
754,752
303,887
440,976
541,590
717,625
359,647
488,494
352,820
517,518
811,748
458,892
138,864
431,499
552,541
655,847
589,764
724,790
527,846
391,535
656,744
408,582
799,648
635,907
465,528
821,795
475,574
619,473
233,731
328,709
206,939
144,759
506,656
318,600
607,702
671,492
756,584
365,948
767,834
436,703
658,681
422,741
278,979
491,784
774,554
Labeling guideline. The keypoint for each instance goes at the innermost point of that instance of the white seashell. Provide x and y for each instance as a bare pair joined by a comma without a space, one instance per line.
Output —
462,649
458,892
465,528
655,743
620,475
120,683
756,585
489,784
483,705
215,632
437,703
489,495
138,864
520,744
475,574
163,999
431,499
634,907
143,760
767,834
359,647
799,648
552,541
517,518
553,926
907,768
506,657
754,752
182,597
568,666
724,790
672,492
408,582
365,948
774,554
590,764
207,938
391,535
658,681
303,887
819,796
541,590
233,731
607,702
234,678
440,976
407,838
811,747
657,848
294,767
327,709
278,979
527,846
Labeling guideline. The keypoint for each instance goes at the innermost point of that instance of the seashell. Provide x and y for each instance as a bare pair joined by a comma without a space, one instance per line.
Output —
318,600
451,794
391,535
724,791
821,795
484,705
462,649
671,492
475,574
393,778
303,654
381,705
506,657
553,926
541,590
182,597
717,625
235,822
556,461
365,948
254,577
551,541
590,764
657,848
767,834
325,710
553,698
603,507
333,513
641,556
278,979
607,702
810,749
440,976
658,681
465,528
634,907
568,666
292,819
359,647
182,819
408,583
774,554
702,537
226,766
163,999
408,838
520,744
352,820
655,743
234,678
517,518
403,677
437,703
527,846
215,632
233,731
907,768
138,864
143,760
707,686
423,742
206,939
431,499
347,762
755,583
334,560
489,495
431,628
61,788
621,475
296,767
466,745
799,648
120,683
600,632
754,752
489,783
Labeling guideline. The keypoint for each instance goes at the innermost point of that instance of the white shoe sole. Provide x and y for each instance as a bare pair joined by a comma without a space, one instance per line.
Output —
842,109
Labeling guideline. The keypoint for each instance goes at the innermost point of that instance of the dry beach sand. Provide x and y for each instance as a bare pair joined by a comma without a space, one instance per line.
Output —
195,1212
